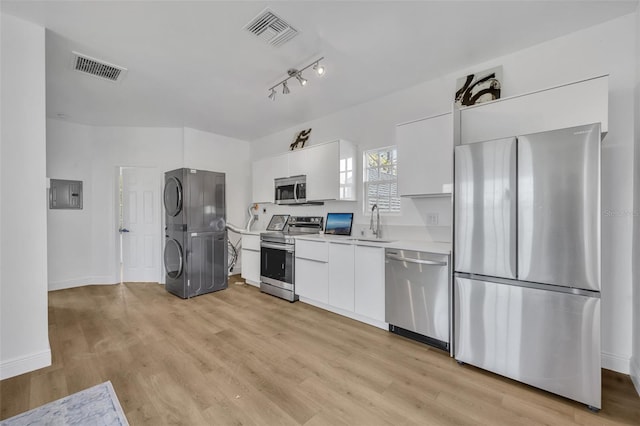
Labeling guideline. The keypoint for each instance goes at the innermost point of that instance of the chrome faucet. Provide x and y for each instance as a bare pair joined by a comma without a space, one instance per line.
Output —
376,230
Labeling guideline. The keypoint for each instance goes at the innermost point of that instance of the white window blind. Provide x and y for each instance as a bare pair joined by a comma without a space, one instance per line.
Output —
380,178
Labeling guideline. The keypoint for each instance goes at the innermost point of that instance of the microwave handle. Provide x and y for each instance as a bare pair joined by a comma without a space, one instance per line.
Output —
295,191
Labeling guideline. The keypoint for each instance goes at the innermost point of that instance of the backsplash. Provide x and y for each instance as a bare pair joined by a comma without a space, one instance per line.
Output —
415,223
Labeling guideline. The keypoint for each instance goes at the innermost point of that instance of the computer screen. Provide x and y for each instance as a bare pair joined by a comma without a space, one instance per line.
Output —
338,223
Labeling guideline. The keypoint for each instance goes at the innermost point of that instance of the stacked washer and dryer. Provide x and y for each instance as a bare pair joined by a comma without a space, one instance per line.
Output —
195,253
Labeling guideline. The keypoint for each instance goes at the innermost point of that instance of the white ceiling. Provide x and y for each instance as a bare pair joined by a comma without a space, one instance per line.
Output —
193,64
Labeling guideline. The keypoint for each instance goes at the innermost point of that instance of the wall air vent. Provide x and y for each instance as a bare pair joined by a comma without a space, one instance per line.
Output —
97,68
271,28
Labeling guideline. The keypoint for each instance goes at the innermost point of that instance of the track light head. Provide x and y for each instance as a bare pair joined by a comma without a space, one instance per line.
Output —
319,69
301,80
285,88
272,95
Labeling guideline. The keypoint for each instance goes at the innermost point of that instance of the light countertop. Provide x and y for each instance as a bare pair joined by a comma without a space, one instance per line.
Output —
426,246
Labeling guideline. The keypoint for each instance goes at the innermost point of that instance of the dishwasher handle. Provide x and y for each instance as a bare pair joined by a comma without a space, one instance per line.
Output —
418,261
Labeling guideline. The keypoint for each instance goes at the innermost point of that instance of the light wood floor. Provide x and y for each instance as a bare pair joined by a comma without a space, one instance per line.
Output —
241,357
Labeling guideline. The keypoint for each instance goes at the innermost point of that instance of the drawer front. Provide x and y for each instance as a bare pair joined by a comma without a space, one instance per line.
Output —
312,280
313,250
251,242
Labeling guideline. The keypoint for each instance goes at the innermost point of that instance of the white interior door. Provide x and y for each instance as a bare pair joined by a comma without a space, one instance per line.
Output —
140,225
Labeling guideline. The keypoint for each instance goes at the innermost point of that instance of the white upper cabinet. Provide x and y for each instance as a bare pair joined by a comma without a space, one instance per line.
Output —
582,102
264,172
425,156
329,167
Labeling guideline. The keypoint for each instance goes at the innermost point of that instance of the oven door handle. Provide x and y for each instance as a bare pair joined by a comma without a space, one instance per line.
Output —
295,191
286,247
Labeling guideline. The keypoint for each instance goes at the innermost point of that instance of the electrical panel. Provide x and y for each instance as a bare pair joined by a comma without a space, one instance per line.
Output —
65,194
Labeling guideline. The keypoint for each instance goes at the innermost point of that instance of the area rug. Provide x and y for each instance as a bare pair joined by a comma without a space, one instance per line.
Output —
96,406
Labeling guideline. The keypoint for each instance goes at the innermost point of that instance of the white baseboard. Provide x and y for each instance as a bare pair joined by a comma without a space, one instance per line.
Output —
79,282
25,364
615,362
635,373
380,324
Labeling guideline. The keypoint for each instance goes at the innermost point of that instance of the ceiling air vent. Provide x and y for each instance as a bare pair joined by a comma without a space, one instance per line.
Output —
97,68
271,28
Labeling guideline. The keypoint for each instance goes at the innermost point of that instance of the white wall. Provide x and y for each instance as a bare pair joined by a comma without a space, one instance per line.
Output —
114,147
635,359
24,340
608,48
83,243
208,151
69,238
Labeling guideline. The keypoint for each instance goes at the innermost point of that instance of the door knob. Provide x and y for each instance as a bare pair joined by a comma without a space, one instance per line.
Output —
121,230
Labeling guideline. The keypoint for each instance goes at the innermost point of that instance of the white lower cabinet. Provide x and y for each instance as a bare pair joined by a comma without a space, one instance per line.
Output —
369,282
312,270
251,259
251,266
341,275
312,280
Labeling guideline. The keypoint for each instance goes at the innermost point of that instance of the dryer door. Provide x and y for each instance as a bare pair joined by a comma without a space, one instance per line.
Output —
173,258
173,196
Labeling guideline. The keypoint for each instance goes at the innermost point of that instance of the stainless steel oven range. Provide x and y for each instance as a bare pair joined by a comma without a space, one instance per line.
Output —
277,256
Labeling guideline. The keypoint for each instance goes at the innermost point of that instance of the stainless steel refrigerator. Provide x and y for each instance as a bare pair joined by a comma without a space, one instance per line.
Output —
527,259
195,254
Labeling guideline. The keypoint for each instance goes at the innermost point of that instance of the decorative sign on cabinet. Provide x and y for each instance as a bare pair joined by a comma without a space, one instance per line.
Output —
425,156
330,169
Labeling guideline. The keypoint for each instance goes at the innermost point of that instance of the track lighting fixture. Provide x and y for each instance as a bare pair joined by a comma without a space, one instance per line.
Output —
317,67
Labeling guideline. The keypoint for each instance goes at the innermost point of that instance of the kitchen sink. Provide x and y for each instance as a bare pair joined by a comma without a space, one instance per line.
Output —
372,240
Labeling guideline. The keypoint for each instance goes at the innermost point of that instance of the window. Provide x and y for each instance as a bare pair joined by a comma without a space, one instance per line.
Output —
346,178
380,178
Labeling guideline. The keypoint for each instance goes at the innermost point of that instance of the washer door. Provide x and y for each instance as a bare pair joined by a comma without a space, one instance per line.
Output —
173,259
173,196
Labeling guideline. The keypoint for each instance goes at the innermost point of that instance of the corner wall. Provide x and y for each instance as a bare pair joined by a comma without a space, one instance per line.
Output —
635,358
608,48
209,151
24,326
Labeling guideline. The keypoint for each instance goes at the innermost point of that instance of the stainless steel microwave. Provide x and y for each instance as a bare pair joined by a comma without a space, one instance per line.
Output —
291,190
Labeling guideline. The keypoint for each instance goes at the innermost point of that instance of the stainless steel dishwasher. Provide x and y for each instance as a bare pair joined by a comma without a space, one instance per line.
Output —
418,296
